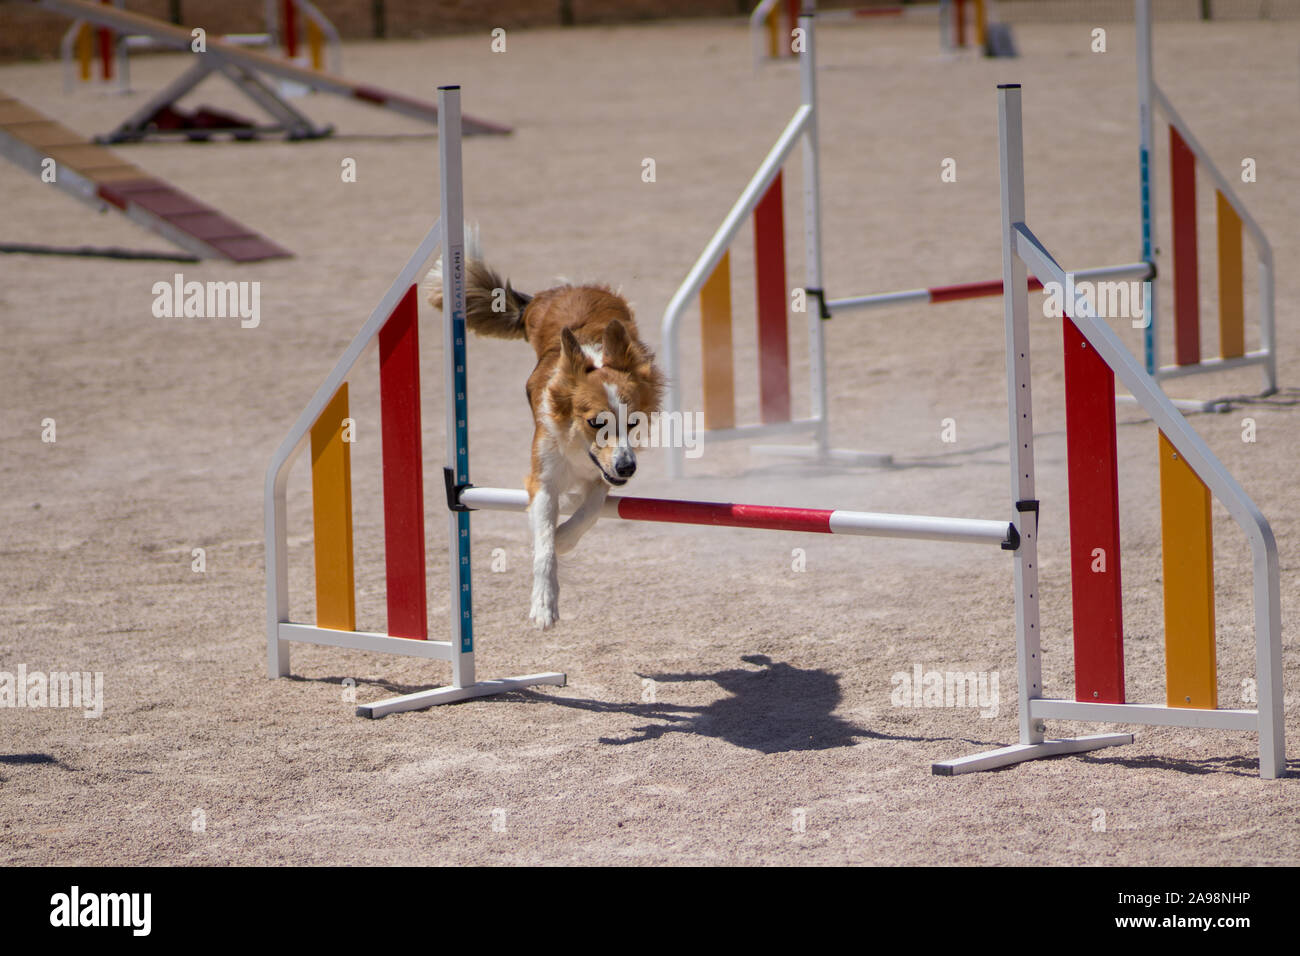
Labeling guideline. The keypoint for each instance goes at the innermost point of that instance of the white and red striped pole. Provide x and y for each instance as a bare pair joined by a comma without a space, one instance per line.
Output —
936,295
771,517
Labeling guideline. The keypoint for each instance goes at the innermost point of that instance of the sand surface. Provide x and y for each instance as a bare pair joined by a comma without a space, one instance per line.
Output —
771,693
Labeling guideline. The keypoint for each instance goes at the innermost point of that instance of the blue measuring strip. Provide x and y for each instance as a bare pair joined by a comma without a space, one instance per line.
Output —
459,379
1148,255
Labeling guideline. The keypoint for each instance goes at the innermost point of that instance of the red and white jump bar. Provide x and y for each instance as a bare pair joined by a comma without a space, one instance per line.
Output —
980,290
771,517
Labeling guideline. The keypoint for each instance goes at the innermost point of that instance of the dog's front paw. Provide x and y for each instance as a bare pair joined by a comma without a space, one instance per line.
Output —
545,609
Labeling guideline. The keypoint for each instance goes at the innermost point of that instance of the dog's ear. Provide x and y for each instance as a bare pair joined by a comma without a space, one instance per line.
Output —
572,357
651,382
618,350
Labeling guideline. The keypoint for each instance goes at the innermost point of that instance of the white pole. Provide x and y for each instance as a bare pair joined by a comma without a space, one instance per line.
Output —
812,206
455,377
758,30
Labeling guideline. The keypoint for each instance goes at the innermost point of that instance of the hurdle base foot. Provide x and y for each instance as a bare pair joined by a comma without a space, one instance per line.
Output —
1019,753
838,456
422,700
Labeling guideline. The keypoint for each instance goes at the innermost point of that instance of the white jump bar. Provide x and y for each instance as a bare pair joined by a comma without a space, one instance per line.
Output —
924,527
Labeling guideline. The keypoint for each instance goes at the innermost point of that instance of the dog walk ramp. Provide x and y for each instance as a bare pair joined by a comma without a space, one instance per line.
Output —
100,178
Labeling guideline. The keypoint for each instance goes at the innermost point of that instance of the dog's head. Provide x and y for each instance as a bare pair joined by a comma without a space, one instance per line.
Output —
613,393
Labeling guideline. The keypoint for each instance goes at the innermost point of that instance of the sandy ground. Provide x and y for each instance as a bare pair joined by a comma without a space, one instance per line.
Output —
772,686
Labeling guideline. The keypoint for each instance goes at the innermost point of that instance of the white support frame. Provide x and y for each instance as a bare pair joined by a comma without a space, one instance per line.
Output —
758,17
801,128
1151,98
1021,249
459,650
757,27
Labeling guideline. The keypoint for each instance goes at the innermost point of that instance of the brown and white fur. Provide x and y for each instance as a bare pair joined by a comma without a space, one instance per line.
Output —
589,362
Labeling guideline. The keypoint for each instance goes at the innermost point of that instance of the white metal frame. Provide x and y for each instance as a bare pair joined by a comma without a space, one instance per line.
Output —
803,125
1150,98
758,16
459,650
1021,249
757,38
801,128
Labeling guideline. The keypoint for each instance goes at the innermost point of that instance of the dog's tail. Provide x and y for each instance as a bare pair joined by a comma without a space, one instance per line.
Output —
492,307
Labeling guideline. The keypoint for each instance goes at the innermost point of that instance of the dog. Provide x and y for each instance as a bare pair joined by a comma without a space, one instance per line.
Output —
593,375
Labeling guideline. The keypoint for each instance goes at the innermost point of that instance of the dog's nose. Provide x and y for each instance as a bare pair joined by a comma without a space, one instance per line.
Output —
625,468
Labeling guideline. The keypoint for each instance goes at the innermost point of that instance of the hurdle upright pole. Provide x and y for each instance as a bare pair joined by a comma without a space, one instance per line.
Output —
1146,172
451,206
1033,742
1015,298
813,240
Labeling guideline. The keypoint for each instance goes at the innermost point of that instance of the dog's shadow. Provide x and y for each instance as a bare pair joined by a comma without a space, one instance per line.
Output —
775,708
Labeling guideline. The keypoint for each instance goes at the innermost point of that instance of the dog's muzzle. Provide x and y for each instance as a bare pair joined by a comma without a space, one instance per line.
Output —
611,479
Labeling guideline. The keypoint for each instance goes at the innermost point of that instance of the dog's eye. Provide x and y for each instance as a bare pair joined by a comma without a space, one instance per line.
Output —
594,422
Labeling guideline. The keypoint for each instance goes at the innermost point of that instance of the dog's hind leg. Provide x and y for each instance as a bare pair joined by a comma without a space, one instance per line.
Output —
543,512
580,522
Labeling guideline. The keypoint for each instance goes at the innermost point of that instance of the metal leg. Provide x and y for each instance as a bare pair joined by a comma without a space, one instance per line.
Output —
1019,753
295,124
425,699
134,128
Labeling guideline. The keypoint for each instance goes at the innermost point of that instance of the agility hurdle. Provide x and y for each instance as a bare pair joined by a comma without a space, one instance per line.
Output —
1094,356
770,25
393,328
82,44
953,21
250,71
282,21
772,22
1185,155
710,280
1099,677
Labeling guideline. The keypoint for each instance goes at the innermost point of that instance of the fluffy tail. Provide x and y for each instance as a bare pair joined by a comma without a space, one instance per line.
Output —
492,307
